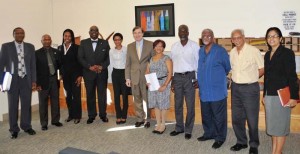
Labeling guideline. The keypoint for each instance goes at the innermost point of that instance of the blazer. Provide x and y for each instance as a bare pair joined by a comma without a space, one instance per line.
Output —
70,65
135,68
9,61
42,68
280,72
88,57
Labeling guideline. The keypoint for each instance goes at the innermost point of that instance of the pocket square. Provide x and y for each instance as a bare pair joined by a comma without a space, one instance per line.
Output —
103,49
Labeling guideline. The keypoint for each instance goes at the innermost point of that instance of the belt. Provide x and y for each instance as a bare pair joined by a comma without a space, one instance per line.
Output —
185,73
160,78
243,84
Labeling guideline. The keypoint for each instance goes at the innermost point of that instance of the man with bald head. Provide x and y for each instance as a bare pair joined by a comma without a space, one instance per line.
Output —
247,67
93,54
47,63
17,57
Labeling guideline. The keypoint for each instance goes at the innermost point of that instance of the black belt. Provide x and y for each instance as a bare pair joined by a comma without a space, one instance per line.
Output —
244,84
185,73
160,78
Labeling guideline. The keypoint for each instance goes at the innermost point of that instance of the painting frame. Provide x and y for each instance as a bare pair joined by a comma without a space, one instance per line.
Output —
156,20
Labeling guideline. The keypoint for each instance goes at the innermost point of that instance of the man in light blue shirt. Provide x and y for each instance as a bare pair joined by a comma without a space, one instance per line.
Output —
213,67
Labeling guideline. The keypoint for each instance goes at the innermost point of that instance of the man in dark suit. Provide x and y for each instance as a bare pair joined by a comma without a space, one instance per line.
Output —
47,64
139,53
93,55
18,58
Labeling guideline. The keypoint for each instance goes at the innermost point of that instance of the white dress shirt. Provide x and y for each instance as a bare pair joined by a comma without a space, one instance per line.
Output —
118,57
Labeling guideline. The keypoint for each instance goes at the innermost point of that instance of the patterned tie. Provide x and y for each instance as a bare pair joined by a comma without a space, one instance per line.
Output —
50,63
21,64
138,49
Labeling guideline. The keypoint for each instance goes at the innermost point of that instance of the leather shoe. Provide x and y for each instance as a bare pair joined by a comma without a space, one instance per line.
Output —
30,131
187,136
44,128
253,150
174,133
57,124
146,124
217,144
14,135
76,121
203,138
90,120
139,124
155,131
161,132
104,119
123,121
238,147
68,119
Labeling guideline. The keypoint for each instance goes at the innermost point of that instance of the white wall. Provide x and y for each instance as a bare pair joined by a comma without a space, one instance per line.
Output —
38,17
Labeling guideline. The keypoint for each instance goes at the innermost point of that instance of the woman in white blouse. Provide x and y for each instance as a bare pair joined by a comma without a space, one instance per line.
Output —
117,61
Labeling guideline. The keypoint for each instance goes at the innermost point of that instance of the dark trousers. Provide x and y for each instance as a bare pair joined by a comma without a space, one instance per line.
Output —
245,107
73,97
99,82
184,90
19,89
214,119
119,85
44,95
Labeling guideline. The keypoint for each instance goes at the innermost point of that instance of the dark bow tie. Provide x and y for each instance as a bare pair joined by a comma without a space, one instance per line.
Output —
94,41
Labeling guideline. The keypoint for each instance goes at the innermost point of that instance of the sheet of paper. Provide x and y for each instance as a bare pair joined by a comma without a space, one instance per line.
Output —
152,79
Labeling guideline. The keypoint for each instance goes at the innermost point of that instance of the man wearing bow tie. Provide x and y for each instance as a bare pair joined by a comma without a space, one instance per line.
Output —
93,54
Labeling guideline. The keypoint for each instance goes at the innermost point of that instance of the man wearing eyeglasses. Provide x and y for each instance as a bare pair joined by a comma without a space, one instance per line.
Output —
247,67
93,54
213,67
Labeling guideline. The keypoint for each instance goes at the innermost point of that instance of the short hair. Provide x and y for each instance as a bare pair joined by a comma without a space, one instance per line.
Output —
137,27
210,31
184,26
118,34
72,35
239,31
155,43
17,29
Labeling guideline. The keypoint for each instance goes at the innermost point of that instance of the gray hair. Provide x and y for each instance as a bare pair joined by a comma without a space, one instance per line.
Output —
210,31
241,31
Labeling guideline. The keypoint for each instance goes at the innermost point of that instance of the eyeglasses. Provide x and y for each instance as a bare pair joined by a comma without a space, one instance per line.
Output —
237,38
272,36
206,37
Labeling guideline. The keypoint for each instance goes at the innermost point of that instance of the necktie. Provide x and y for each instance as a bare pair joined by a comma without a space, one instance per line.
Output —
50,63
138,49
21,63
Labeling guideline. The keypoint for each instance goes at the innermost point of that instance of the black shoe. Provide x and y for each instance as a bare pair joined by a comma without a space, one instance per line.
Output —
14,135
44,128
30,131
161,132
187,136
57,124
155,131
104,119
253,150
238,147
123,121
139,124
146,124
90,120
68,119
217,144
76,121
203,138
174,133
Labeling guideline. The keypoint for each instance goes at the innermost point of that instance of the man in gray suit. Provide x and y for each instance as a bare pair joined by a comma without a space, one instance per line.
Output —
93,54
18,58
138,55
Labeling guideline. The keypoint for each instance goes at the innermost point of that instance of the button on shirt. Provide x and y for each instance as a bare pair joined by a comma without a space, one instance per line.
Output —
212,71
185,58
118,57
94,44
246,64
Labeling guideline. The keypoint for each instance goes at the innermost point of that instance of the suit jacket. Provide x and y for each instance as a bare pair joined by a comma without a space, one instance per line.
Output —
9,61
70,65
280,72
88,57
42,68
135,68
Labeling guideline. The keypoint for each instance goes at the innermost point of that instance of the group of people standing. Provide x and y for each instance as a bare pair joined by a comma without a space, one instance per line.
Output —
186,68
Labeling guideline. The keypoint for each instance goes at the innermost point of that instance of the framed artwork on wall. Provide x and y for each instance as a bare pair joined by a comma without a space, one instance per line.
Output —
156,20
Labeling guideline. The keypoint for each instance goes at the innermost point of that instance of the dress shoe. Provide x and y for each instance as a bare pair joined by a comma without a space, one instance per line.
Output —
123,121
161,132
217,144
104,119
90,120
139,124
187,136
174,133
69,119
203,138
253,150
44,128
147,124
76,121
30,131
14,135
155,131
57,124
238,147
